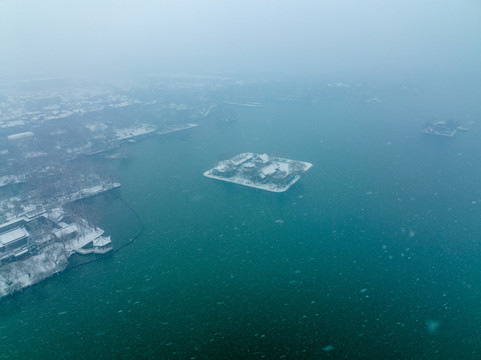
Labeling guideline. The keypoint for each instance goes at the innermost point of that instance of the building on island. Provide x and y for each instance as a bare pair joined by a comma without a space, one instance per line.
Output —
31,234
260,171
443,128
65,232
14,243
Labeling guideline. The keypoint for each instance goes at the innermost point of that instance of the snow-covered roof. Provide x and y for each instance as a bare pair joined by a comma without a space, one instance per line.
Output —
283,166
102,241
13,235
264,158
56,214
20,252
67,230
239,159
35,211
269,170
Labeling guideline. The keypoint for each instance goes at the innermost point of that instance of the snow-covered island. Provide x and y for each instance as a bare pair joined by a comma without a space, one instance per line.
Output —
260,171
443,128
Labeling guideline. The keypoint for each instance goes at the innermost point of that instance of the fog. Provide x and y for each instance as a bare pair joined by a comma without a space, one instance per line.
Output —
216,179
90,38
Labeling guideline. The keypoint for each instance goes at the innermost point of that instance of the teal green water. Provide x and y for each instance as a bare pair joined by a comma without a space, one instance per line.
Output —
380,238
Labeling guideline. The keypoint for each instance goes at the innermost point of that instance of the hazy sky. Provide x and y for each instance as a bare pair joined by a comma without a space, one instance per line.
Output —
89,37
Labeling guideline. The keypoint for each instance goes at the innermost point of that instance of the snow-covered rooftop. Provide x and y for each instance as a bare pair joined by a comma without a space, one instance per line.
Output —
239,159
264,157
13,235
56,214
102,241
283,166
269,169
67,230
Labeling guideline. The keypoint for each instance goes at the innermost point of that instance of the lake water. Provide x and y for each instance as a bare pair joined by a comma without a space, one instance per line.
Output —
374,253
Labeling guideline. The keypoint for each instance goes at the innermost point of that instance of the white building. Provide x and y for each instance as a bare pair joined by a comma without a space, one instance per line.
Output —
268,170
13,243
66,232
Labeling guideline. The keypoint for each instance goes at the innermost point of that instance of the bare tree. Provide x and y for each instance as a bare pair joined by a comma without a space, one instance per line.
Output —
8,277
81,210
58,256
26,267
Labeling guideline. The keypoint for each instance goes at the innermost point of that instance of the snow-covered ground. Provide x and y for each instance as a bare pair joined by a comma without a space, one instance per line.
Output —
97,127
12,123
11,179
52,259
246,182
127,133
20,274
88,191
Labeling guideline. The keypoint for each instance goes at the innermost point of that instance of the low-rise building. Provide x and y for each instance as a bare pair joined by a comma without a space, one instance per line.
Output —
66,231
13,243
